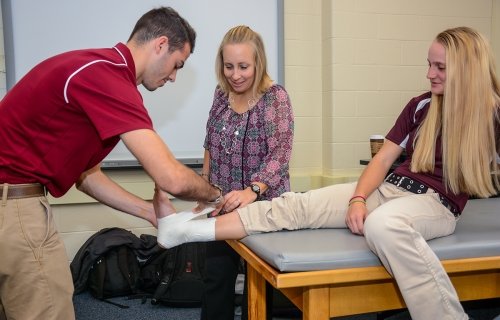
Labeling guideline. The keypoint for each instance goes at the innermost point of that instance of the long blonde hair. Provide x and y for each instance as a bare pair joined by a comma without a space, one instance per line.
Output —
464,116
244,34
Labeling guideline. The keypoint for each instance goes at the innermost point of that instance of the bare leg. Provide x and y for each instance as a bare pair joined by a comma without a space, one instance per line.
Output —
176,228
181,227
229,227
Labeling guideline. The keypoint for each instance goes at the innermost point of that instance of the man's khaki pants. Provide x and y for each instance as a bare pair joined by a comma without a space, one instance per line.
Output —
35,280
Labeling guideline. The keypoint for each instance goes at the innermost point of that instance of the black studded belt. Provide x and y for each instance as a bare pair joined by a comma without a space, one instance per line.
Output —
418,188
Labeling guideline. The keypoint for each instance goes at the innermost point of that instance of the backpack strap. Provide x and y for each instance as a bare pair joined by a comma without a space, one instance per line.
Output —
123,264
168,274
121,306
102,275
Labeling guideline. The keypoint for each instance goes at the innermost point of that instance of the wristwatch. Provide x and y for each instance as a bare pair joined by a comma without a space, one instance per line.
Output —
219,198
255,188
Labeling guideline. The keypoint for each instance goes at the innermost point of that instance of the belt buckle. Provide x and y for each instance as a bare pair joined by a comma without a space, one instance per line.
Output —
400,181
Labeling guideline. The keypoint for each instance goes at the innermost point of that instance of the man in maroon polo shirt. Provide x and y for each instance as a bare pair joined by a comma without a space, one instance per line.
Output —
56,125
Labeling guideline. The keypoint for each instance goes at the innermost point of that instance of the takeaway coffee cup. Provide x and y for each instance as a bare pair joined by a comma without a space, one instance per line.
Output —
376,142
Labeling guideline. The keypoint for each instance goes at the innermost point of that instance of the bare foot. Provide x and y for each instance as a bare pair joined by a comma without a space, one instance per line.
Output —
174,229
162,204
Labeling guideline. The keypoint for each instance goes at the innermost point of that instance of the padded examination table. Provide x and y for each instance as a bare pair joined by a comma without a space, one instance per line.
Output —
331,272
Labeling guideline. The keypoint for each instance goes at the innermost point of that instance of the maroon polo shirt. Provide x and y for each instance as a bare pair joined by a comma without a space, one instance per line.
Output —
403,133
66,115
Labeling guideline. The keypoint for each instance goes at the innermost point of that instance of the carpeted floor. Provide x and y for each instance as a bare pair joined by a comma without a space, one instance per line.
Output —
89,308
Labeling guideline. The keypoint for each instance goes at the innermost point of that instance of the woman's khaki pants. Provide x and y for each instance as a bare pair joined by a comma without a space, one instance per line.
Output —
396,230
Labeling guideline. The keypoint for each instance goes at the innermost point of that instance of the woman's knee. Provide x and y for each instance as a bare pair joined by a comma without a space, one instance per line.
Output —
379,231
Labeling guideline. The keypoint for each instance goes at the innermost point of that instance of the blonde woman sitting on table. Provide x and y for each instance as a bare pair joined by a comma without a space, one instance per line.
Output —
451,136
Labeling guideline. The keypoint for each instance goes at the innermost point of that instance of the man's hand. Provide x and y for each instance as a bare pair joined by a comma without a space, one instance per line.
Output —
216,208
217,204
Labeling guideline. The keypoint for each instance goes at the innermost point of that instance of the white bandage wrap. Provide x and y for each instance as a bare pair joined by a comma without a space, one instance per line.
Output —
180,228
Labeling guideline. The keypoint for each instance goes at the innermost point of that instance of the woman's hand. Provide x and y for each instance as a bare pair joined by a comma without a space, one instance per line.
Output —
238,199
355,218
371,178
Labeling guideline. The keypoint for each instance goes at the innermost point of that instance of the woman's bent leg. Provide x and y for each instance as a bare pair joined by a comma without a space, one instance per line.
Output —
397,232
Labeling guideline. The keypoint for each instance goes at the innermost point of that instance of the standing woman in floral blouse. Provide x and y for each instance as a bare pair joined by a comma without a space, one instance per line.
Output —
247,150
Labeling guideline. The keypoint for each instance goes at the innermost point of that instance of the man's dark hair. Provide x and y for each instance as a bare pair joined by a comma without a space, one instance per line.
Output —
164,21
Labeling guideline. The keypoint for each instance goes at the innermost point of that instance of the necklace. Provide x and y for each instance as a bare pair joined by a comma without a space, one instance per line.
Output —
234,125
250,102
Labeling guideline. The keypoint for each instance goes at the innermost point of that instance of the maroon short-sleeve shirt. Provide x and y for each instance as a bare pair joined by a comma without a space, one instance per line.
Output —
66,115
403,133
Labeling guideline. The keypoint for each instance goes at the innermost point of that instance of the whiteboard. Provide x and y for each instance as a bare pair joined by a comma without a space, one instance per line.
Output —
37,29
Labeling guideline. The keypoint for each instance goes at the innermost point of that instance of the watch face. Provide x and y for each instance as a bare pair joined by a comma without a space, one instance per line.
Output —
256,189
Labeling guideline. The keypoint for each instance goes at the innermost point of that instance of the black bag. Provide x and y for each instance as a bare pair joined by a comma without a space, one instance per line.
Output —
116,273
114,262
104,241
174,277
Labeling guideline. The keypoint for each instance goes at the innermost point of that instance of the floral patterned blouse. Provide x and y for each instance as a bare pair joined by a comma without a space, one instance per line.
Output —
254,146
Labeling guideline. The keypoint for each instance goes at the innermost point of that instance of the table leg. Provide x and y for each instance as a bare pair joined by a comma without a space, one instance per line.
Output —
316,303
256,294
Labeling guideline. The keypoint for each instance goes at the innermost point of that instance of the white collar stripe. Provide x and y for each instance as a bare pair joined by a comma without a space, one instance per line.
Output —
89,64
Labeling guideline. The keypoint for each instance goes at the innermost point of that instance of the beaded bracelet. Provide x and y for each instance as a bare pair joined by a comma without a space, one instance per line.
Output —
353,201
364,199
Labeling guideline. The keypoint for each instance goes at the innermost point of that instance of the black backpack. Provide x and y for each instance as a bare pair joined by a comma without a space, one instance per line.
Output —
174,277
103,242
115,273
115,262
108,265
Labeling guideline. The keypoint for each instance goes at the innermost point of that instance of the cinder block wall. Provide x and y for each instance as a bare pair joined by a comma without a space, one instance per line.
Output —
350,67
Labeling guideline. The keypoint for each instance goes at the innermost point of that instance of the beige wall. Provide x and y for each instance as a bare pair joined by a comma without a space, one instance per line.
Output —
350,67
